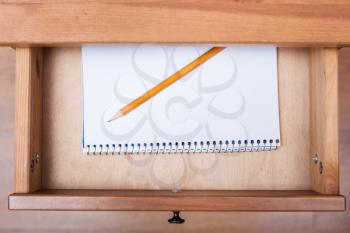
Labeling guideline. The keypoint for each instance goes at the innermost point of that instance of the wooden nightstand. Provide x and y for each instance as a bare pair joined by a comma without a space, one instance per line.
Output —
51,172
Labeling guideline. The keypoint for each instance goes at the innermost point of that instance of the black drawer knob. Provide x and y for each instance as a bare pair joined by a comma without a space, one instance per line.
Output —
176,219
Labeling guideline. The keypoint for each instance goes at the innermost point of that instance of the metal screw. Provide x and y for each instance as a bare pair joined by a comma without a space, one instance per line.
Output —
176,190
315,158
37,158
321,168
32,165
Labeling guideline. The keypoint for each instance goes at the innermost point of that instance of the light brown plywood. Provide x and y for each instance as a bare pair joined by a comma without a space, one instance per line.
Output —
28,119
184,201
324,118
302,22
65,166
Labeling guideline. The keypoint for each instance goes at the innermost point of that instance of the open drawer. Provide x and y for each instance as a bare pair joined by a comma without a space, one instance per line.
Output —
52,173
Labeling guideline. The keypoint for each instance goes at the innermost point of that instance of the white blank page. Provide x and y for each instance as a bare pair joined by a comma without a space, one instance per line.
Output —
231,98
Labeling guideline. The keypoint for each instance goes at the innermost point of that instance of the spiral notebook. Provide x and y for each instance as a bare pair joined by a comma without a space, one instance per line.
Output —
228,104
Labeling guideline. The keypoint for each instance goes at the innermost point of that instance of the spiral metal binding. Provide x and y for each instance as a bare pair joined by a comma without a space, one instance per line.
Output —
184,147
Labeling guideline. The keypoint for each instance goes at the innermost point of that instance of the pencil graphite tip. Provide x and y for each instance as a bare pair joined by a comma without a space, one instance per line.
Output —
116,116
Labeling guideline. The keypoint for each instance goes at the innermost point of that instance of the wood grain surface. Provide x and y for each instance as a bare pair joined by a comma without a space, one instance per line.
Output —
187,200
300,22
324,120
28,221
28,119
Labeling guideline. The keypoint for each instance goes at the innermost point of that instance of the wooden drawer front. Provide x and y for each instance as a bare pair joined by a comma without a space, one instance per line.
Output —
184,201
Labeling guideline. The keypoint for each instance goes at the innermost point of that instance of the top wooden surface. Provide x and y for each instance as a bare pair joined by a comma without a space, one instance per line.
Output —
285,22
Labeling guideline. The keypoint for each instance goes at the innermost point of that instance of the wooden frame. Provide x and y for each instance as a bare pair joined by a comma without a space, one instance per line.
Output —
31,25
28,119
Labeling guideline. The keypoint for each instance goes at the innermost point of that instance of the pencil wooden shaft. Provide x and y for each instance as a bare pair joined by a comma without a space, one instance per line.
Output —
173,78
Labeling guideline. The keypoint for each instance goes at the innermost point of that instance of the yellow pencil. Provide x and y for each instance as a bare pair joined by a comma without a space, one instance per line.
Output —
167,82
